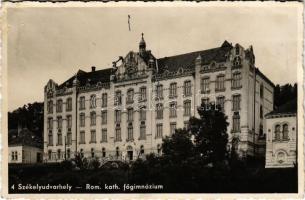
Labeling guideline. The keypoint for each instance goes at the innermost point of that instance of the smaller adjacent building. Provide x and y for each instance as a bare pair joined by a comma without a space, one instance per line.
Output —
24,147
281,139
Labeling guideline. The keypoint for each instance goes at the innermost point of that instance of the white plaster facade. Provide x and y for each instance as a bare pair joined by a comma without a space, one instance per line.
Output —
233,64
24,154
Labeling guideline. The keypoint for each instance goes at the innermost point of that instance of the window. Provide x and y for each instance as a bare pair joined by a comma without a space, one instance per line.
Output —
104,100
236,80
93,136
236,102
143,114
172,128
173,90
130,132
68,153
59,138
103,152
82,137
69,104
261,112
58,154
59,122
104,135
187,88
69,121
159,131
277,132
129,114
236,122
93,101
69,138
205,101
172,109
50,154
159,91
261,91
82,103
81,153
236,50
92,118
186,124
118,98
236,62
82,121
142,150
220,83
159,111
142,131
187,108
220,102
92,153
117,152
14,155
285,132
205,85
104,117
118,134
142,93
130,95
117,116
50,123
50,107
50,138
59,105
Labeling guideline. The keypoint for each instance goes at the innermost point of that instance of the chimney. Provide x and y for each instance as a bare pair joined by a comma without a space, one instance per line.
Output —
93,68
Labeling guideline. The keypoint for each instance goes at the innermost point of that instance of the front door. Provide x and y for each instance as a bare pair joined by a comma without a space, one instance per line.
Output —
130,155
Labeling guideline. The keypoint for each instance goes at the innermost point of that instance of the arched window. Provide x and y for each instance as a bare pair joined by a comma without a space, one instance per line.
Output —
117,152
59,105
92,118
103,152
118,98
69,104
82,103
142,93
141,150
92,153
236,80
58,154
285,132
130,94
50,106
50,154
237,62
173,90
277,132
187,88
159,91
93,101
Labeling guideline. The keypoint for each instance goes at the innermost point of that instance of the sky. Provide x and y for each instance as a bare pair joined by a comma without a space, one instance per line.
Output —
54,42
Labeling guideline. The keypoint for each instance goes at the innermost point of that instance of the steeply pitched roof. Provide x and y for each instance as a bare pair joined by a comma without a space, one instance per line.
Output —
187,60
288,108
24,138
93,77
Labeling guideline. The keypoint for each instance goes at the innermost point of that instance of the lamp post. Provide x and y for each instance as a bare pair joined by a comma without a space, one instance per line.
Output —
65,147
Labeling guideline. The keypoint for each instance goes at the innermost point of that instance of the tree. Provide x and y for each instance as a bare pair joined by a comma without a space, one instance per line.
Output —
210,134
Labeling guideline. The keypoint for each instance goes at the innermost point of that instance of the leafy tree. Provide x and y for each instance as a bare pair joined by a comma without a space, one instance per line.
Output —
210,134
284,94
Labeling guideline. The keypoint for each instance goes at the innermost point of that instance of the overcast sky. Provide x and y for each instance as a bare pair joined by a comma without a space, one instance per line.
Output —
53,43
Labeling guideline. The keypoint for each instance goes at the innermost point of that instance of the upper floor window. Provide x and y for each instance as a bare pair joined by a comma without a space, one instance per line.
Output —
143,93
104,100
159,132
59,122
82,119
159,91
277,132
236,122
285,132
59,105
187,88
142,131
118,134
118,98
236,80
187,107
237,50
205,101
93,136
93,101
69,104
220,101
220,83
92,118
104,117
59,138
129,132
159,111
104,135
82,139
173,109
173,128
117,115
261,91
50,123
82,103
50,138
69,138
205,85
142,114
237,62
173,90
129,114
50,106
236,102
130,95
261,112
69,121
